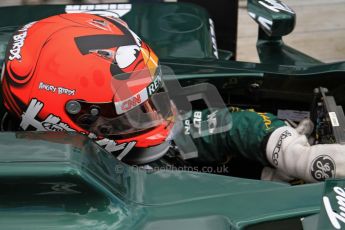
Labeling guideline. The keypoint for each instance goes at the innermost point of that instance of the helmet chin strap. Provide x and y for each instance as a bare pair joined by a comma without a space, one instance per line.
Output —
140,156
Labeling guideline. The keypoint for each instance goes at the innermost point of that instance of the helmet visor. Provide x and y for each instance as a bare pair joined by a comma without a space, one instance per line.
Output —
127,116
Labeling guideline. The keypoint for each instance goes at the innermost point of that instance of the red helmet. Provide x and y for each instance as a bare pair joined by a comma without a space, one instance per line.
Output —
91,74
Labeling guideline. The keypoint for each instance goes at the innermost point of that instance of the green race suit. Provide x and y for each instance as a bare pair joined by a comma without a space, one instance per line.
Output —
247,135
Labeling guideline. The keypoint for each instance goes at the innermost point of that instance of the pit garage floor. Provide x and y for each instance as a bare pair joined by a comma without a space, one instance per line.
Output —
319,31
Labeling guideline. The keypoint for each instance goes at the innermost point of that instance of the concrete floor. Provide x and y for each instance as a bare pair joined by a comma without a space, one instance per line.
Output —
319,31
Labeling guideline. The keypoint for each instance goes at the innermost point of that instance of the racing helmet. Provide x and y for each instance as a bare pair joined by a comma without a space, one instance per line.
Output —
91,74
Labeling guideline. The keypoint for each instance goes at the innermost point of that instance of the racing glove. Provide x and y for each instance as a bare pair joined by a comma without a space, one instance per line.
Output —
290,153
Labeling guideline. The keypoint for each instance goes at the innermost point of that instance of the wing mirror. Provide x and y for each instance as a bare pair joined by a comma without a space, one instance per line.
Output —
273,16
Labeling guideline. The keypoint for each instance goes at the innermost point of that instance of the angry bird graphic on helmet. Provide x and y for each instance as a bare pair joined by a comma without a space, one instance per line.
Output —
90,74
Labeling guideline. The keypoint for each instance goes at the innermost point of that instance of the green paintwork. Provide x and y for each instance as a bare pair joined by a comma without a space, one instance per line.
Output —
276,19
57,180
273,17
61,180
274,82
334,196
172,30
273,50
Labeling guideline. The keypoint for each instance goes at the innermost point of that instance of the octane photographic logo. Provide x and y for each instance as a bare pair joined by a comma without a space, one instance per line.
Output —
197,121
221,169
336,215
195,124
182,98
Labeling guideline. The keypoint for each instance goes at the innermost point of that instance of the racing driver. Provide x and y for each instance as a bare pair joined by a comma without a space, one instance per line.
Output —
92,74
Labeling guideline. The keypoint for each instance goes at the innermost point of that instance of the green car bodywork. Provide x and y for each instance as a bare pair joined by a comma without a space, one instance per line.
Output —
66,181
56,180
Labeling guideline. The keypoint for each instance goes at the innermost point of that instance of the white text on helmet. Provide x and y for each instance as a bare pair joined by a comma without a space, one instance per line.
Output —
154,85
139,98
51,122
113,147
131,103
18,42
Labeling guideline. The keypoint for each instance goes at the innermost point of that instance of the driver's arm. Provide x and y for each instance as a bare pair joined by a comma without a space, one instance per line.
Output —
246,136
268,140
